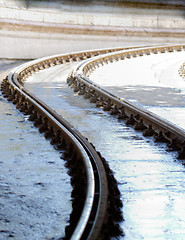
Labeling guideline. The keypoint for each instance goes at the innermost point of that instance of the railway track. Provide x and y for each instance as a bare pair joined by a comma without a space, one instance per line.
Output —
96,198
141,119
96,204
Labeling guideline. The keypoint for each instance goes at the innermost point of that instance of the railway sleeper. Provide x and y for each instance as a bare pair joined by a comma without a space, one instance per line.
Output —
149,132
108,105
56,138
61,145
20,102
122,114
33,115
48,134
11,96
140,125
44,126
87,94
100,102
94,97
38,120
29,109
74,85
24,107
161,138
131,120
16,98
77,88
114,110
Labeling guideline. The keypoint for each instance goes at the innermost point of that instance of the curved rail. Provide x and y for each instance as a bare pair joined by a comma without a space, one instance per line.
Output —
96,203
141,119
98,214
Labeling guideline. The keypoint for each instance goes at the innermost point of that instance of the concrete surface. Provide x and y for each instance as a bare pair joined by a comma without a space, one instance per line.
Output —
29,45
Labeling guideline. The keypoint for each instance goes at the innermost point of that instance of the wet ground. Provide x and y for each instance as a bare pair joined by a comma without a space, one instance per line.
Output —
34,186
151,179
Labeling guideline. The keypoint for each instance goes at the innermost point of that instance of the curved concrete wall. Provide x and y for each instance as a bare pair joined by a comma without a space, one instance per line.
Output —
55,12
28,42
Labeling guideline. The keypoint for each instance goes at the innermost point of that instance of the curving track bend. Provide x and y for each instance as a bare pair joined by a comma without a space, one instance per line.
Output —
96,216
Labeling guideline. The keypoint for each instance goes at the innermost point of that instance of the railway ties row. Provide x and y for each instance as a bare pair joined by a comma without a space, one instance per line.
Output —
106,104
141,119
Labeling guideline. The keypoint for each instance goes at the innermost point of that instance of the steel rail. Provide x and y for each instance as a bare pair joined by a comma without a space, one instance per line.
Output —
96,220
140,118
93,182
